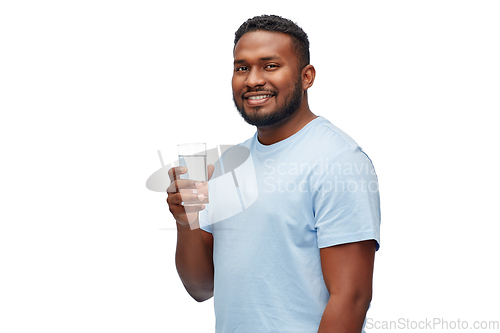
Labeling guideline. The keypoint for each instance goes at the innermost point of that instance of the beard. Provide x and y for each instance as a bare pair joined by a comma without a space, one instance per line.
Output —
290,106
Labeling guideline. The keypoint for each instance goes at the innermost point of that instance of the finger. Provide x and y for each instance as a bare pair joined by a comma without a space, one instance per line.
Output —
199,188
210,169
193,208
175,172
179,184
174,199
193,199
179,211
186,198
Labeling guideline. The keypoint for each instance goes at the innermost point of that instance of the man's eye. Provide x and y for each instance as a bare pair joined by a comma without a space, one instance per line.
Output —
272,66
241,69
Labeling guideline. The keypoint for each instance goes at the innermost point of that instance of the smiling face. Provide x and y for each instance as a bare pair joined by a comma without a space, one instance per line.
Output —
267,85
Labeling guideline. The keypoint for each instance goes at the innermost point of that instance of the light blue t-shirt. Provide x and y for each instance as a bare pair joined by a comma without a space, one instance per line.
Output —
270,216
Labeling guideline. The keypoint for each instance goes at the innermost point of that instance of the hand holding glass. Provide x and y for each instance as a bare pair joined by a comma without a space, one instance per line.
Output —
193,156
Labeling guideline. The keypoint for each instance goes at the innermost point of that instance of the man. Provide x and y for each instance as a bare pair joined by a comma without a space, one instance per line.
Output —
300,258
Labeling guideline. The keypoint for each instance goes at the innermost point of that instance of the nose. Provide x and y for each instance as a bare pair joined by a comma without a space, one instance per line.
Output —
255,78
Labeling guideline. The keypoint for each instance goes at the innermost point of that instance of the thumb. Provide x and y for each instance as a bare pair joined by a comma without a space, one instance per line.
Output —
210,169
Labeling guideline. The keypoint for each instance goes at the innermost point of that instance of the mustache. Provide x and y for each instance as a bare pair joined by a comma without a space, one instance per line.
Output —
270,92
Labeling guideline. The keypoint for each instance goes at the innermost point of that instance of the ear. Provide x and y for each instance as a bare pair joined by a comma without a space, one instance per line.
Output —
308,75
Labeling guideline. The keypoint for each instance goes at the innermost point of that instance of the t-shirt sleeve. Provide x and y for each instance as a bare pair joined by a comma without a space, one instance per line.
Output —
346,202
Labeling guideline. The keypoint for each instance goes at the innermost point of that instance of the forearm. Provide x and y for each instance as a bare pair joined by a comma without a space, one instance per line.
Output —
194,263
344,314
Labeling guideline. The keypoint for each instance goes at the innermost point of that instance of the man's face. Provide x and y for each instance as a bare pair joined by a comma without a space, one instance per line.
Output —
267,85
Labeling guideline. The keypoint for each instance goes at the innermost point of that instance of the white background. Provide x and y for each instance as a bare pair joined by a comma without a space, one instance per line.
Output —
90,90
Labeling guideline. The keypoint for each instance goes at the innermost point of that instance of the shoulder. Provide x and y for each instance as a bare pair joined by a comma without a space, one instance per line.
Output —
326,139
324,126
337,153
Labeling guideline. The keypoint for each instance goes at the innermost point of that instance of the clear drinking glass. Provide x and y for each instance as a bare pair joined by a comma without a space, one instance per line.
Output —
193,156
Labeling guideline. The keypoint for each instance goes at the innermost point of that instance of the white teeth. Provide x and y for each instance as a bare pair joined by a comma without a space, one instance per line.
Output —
259,97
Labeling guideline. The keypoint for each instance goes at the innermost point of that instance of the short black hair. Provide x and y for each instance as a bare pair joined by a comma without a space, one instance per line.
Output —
274,23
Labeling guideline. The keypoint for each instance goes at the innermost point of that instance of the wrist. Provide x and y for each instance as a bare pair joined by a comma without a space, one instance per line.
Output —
187,226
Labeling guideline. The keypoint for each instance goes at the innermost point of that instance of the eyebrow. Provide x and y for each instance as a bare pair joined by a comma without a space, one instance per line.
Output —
273,57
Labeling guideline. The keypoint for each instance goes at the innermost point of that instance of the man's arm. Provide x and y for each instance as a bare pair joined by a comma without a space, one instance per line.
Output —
194,261
194,252
348,272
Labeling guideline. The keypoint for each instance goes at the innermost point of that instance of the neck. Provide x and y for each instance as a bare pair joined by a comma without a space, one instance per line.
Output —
269,135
